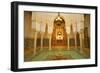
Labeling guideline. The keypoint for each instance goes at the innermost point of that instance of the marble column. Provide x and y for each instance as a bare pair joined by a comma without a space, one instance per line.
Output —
35,41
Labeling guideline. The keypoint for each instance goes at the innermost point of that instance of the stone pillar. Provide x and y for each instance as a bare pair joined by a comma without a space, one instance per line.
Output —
35,41
50,42
41,41
81,42
75,40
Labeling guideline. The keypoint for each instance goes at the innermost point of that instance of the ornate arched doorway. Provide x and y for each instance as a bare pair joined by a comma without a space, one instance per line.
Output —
59,35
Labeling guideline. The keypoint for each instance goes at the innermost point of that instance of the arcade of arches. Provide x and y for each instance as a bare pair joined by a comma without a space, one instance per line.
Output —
56,36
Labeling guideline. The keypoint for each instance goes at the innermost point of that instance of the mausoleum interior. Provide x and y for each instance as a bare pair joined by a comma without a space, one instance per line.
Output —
56,36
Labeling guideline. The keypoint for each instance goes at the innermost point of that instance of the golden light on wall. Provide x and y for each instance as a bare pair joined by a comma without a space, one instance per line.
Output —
41,18
59,35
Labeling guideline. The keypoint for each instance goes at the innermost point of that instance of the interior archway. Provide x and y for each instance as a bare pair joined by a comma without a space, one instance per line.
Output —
59,35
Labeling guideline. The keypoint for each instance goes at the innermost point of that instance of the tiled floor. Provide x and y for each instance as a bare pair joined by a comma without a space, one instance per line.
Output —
46,55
